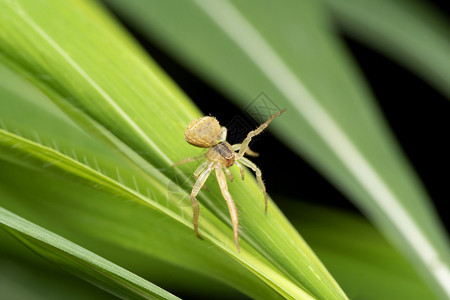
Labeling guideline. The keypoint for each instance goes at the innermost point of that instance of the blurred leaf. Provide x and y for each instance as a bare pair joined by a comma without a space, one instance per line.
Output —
412,32
358,256
81,261
288,52
20,281
111,89
26,276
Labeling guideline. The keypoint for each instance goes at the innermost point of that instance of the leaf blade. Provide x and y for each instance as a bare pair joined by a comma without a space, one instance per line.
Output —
87,263
336,125
412,32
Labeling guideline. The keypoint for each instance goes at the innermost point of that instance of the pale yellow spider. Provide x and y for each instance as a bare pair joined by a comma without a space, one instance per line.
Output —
206,132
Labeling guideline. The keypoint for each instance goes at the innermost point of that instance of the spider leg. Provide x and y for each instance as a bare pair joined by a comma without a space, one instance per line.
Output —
251,134
230,176
200,169
241,168
231,206
189,159
249,151
224,133
252,166
195,190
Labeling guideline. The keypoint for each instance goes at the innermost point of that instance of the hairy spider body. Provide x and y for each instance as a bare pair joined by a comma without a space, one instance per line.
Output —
206,132
222,153
203,132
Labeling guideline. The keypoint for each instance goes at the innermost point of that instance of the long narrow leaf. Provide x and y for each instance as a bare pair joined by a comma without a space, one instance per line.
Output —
130,102
348,244
81,261
288,52
410,31
42,130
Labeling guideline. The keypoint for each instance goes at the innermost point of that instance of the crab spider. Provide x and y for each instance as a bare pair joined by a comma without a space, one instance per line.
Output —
206,132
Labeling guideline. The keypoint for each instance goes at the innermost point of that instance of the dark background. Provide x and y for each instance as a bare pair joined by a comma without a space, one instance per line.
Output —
418,115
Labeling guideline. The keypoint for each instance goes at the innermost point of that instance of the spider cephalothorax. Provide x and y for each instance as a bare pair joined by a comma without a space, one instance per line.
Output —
206,132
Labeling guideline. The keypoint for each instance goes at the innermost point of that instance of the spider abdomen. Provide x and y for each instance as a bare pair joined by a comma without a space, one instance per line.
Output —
223,153
203,132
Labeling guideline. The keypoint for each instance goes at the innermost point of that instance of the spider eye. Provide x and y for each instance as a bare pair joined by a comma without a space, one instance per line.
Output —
204,132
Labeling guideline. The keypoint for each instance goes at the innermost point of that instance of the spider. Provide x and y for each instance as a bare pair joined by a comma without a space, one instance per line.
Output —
206,132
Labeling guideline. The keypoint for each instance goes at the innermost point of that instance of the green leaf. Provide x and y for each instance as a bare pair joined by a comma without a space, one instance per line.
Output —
176,242
289,52
412,32
20,280
362,261
111,90
27,276
81,261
